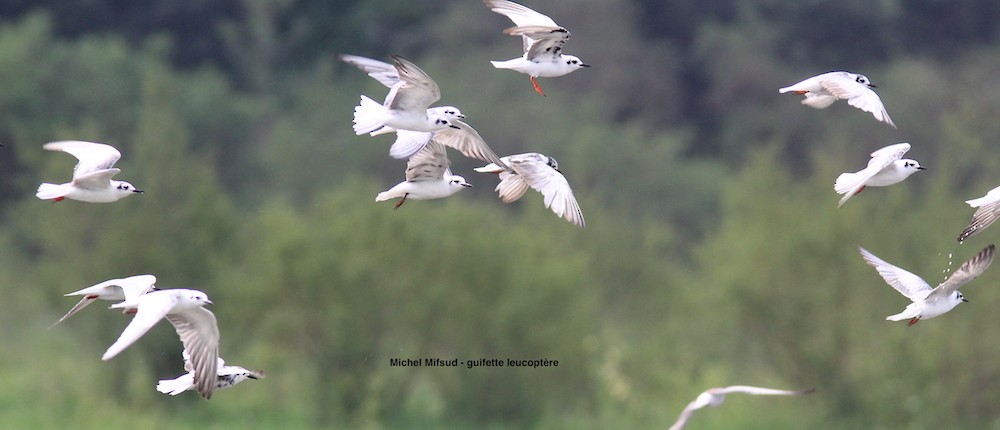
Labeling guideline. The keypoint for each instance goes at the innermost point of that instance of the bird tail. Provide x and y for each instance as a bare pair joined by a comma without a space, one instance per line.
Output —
368,116
502,64
489,168
408,143
49,191
176,386
384,195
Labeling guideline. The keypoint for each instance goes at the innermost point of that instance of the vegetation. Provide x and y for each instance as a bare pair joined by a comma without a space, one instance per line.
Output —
714,252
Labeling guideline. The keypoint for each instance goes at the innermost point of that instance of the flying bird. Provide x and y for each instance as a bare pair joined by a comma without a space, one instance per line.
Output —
226,376
91,176
822,90
987,211
927,302
195,325
715,396
113,289
542,41
887,167
541,173
428,176
406,105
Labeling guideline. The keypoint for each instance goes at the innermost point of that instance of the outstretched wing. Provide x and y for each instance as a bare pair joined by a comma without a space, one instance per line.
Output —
199,332
966,272
859,96
542,177
429,163
908,284
416,90
379,70
92,156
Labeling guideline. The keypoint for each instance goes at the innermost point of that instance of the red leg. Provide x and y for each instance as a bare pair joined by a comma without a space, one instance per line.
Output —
800,92
913,321
860,189
58,199
401,201
538,88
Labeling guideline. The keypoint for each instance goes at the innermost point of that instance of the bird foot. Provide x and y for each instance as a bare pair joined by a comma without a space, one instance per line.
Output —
913,321
400,202
538,88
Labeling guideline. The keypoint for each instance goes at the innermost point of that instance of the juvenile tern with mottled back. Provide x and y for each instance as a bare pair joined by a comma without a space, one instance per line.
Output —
226,376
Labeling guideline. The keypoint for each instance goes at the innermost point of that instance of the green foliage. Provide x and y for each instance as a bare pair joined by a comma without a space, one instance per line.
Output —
714,253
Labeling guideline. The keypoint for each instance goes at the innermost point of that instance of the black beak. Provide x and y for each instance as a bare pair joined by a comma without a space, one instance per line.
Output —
461,116
454,126
584,65
872,86
965,300
467,185
138,191
921,168
251,376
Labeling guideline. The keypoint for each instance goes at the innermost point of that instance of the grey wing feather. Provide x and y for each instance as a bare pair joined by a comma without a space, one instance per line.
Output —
199,332
511,187
541,43
381,71
985,216
417,90
967,272
467,141
429,163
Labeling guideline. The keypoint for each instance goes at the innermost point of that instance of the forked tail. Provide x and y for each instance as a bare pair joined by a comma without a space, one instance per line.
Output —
49,191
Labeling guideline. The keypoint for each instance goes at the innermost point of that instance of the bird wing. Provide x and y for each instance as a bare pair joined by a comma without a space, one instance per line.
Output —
199,332
416,90
467,141
540,176
92,156
135,286
521,15
151,309
511,187
685,415
908,284
764,391
428,164
541,43
379,70
97,179
859,96
968,271
984,216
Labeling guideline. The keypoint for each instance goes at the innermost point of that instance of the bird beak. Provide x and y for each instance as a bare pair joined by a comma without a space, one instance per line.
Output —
467,185
454,126
138,191
921,168
209,302
965,300
461,116
584,65
872,86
